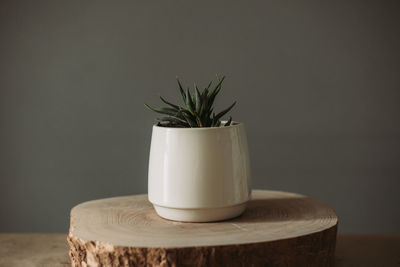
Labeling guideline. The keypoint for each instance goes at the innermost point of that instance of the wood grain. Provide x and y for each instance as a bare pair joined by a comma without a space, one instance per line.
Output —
278,229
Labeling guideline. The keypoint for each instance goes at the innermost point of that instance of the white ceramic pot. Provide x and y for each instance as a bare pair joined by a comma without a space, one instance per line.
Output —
199,174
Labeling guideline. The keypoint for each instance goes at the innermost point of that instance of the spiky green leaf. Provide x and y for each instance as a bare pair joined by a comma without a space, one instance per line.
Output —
189,120
189,101
166,111
229,121
181,90
222,113
169,103
198,100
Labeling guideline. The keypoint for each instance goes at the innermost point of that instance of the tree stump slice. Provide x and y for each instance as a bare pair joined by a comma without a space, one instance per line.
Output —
277,229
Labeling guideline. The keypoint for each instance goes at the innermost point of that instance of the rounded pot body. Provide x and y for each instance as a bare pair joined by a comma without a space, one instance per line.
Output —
199,174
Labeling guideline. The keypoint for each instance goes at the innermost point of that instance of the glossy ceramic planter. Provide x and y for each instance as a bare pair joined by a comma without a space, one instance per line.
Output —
199,174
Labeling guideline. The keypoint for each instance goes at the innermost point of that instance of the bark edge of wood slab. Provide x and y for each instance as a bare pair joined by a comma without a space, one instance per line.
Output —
277,229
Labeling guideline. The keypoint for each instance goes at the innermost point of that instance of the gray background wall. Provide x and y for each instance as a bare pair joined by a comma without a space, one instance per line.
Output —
317,85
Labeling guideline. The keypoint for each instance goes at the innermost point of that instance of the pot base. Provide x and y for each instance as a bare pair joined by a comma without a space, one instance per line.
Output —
200,215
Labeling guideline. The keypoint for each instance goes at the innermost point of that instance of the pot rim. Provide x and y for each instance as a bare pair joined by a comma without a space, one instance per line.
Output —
233,124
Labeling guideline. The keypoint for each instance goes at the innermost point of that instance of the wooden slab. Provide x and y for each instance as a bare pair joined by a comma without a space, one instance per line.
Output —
278,228
41,250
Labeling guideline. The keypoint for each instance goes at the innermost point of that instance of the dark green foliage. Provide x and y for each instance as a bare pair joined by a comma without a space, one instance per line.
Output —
197,110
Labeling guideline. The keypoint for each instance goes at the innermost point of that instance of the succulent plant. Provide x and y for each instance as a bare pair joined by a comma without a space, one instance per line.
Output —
197,110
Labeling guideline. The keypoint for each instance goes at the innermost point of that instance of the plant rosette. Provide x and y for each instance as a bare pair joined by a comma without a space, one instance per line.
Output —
197,173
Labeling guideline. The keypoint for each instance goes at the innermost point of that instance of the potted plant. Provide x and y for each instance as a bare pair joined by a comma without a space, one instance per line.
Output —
199,167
